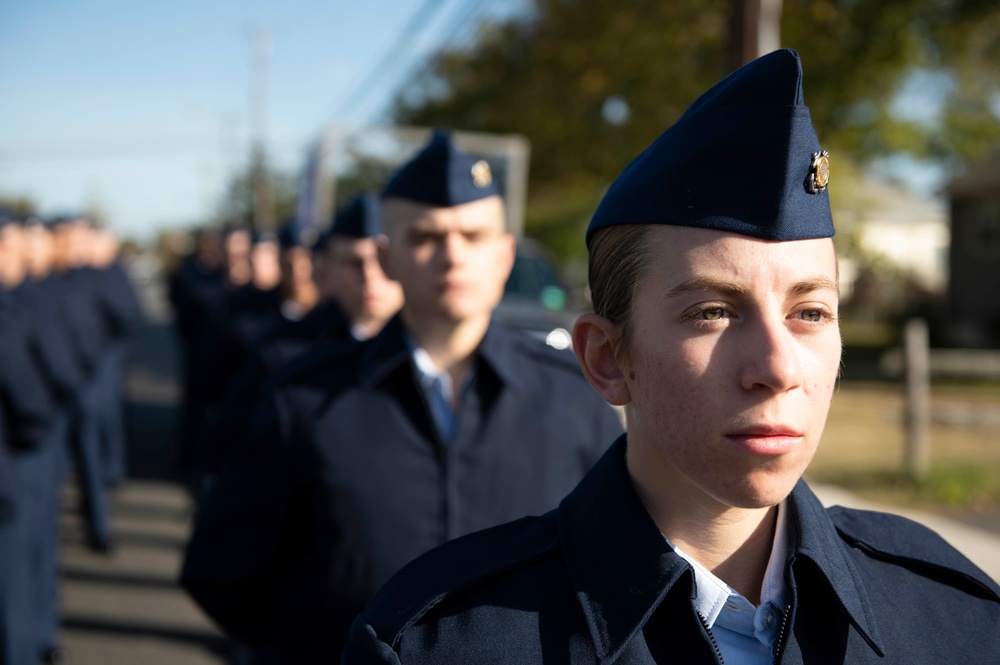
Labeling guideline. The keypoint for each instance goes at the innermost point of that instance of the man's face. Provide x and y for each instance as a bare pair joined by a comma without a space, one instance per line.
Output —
733,364
452,262
362,288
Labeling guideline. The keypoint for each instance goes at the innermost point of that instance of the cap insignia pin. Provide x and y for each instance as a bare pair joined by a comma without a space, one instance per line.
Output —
819,172
481,174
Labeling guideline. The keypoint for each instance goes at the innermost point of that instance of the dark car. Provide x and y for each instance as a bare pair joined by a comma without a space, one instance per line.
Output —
535,299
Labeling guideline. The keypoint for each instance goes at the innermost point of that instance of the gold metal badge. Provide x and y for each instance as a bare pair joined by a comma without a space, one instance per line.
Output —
819,172
482,176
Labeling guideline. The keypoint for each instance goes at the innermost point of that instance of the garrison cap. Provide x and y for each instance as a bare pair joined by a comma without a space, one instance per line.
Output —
361,218
7,217
297,234
69,218
442,176
264,235
743,158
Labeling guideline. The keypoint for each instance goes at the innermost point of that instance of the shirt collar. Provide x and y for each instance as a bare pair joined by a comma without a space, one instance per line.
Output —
711,593
621,567
388,350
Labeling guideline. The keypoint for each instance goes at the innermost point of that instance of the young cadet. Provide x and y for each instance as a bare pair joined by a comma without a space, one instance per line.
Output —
442,424
694,540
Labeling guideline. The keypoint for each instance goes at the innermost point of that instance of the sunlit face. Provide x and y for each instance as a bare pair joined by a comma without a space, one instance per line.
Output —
452,262
732,365
265,265
362,288
297,265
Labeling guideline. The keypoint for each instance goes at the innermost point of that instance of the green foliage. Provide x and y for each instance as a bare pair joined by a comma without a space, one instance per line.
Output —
548,75
19,205
946,485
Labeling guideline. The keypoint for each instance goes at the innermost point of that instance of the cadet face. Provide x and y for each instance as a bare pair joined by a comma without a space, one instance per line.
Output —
362,288
452,262
732,366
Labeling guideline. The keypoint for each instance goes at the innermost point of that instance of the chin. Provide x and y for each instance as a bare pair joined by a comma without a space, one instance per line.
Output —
758,490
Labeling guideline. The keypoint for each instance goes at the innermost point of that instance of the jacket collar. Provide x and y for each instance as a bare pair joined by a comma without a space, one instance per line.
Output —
815,538
388,351
622,568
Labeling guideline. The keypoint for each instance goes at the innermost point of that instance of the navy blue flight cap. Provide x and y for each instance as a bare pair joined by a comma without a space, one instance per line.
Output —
743,158
265,235
361,218
442,176
297,234
7,217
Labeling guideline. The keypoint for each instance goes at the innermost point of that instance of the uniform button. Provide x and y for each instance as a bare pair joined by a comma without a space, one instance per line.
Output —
770,619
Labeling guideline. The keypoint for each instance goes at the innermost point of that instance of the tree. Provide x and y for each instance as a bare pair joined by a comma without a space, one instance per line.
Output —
238,202
593,83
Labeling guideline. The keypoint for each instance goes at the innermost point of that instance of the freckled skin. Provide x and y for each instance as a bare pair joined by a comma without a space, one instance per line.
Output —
751,340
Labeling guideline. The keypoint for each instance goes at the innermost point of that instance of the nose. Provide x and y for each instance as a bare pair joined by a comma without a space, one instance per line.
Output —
453,249
771,360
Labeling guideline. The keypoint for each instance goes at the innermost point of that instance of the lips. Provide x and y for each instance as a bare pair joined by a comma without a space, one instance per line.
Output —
766,439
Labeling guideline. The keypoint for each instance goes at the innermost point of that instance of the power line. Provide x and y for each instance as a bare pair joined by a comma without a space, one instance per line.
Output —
400,45
454,37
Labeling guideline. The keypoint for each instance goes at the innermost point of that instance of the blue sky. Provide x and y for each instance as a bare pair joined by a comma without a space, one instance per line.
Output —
144,108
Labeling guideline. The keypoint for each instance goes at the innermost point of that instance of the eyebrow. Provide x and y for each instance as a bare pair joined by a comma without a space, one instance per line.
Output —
734,290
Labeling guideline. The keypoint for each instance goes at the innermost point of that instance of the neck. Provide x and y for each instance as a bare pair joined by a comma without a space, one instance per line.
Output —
733,543
305,295
450,344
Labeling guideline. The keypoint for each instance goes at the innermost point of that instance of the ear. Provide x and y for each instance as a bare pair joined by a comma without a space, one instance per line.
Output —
595,340
509,253
382,243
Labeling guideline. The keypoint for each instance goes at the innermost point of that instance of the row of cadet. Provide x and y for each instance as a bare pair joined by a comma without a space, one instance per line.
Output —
248,302
66,309
692,540
342,423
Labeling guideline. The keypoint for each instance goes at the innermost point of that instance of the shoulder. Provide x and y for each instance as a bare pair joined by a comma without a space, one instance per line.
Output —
903,542
459,567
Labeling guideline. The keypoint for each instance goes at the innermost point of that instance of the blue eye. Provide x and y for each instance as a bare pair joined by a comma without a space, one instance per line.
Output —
812,315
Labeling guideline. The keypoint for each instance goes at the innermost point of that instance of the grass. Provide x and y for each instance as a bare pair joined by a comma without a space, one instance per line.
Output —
863,450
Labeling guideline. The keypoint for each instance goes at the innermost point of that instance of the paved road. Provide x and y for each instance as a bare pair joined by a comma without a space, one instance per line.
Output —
126,609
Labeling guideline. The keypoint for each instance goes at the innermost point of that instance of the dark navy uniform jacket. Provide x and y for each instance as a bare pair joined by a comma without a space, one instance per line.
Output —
49,338
117,301
595,582
77,296
27,401
279,345
347,480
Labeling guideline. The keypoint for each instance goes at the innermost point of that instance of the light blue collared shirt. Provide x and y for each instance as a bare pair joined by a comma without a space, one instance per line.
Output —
746,635
438,389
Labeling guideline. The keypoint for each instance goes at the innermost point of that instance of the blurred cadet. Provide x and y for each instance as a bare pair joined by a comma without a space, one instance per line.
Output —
191,290
121,315
345,265
27,412
362,459
694,539
78,290
298,288
352,272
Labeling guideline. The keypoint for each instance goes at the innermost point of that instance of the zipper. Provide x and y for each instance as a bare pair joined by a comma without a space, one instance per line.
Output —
711,638
779,646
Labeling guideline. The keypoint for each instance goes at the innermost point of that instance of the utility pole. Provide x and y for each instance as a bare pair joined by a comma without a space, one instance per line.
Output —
755,30
263,204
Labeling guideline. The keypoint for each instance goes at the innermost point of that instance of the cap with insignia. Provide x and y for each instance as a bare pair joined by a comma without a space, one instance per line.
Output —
67,219
296,234
743,158
7,218
358,219
442,176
